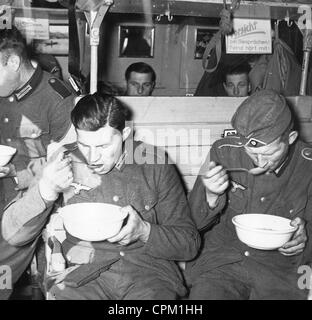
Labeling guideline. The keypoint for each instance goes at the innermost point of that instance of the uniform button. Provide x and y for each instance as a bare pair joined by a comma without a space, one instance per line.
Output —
262,199
246,253
6,120
52,80
291,210
115,198
8,139
122,253
11,99
147,207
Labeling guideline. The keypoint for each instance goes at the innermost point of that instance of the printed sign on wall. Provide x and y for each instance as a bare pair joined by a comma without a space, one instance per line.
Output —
250,36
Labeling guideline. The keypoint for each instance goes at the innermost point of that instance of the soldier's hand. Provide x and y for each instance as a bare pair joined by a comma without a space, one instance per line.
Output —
297,243
135,229
216,181
56,177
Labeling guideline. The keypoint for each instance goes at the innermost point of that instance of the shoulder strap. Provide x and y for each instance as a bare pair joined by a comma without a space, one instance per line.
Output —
59,87
215,42
226,27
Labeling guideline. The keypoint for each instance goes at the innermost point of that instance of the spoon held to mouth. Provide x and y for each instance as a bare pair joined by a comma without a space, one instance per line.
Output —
253,171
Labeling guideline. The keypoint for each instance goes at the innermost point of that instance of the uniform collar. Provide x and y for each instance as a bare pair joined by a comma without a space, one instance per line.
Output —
29,86
121,161
279,171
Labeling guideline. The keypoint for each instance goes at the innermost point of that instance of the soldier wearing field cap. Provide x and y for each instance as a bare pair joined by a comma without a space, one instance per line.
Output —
279,183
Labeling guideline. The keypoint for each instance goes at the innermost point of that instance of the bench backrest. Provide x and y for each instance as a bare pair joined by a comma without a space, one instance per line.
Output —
186,127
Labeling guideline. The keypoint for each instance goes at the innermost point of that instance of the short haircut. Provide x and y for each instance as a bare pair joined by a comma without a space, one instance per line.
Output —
243,68
108,88
140,67
95,111
12,42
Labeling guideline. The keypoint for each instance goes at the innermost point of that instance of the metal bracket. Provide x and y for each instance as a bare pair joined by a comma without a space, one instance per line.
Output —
95,22
167,14
287,19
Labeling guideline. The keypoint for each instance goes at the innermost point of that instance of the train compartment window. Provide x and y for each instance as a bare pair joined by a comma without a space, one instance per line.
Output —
136,41
203,36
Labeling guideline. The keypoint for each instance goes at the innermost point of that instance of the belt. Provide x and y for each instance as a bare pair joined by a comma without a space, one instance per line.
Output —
79,275
87,272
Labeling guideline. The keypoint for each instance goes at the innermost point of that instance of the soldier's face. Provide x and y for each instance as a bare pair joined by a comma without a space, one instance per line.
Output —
237,85
272,155
140,84
9,81
269,156
101,149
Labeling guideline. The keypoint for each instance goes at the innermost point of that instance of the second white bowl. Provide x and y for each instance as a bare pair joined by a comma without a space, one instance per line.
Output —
263,231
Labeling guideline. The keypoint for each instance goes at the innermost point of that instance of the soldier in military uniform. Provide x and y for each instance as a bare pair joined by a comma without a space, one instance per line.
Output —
34,110
281,185
138,262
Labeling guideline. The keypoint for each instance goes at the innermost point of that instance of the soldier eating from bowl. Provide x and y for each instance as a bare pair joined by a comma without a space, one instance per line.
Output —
139,261
226,267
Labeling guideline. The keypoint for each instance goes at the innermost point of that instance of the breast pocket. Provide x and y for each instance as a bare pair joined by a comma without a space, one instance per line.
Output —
30,139
144,203
289,209
237,200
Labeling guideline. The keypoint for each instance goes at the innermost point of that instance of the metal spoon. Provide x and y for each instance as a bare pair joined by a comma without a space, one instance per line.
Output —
254,171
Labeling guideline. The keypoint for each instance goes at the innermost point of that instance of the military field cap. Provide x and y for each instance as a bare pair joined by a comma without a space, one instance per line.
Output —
262,118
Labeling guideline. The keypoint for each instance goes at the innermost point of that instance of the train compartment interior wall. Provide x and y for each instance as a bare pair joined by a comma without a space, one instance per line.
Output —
178,72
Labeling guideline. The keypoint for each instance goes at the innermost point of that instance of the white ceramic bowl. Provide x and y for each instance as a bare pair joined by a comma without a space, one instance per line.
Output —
6,153
263,231
92,221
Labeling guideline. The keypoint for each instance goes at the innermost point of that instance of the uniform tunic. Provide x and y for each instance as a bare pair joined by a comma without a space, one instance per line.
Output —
143,270
287,193
29,119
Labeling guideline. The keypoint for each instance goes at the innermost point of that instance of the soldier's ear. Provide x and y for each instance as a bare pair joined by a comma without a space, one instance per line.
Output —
293,135
225,88
126,133
14,62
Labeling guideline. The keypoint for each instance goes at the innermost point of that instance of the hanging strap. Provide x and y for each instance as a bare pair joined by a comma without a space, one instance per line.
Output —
73,50
214,43
226,27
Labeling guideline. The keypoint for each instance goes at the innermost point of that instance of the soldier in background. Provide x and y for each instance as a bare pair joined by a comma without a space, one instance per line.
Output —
236,81
141,79
35,109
